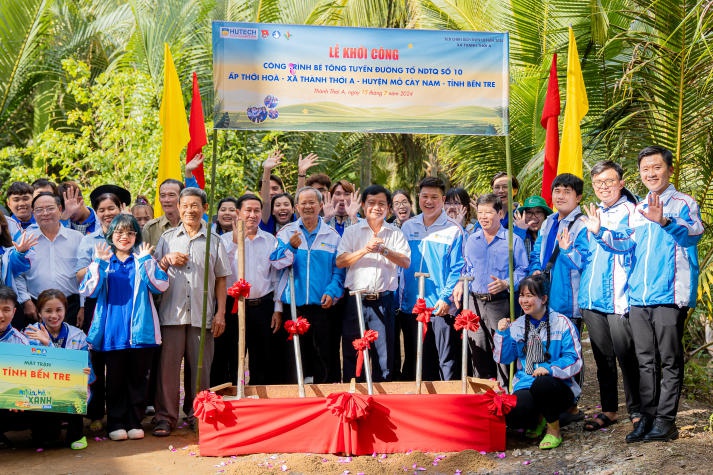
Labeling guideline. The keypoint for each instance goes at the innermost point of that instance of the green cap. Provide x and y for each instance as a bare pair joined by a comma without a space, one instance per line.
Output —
535,202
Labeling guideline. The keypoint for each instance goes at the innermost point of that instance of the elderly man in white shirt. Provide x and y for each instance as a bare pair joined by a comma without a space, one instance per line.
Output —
264,337
373,251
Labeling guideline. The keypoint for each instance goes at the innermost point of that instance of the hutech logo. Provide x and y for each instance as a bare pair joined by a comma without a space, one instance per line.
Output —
238,33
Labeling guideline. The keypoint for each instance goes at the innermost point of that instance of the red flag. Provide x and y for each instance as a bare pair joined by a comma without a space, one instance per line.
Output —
549,120
197,130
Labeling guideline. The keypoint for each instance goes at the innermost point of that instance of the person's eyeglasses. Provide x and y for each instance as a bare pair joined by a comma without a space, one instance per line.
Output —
128,234
47,210
604,183
401,204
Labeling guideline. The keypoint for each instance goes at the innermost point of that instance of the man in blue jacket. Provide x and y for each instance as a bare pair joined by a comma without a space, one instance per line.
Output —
603,297
436,243
663,286
310,246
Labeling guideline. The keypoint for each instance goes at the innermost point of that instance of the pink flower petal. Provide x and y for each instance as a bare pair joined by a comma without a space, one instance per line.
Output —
283,468
526,462
40,450
501,455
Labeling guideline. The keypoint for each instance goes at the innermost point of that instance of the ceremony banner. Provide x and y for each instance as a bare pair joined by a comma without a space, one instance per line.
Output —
43,378
316,78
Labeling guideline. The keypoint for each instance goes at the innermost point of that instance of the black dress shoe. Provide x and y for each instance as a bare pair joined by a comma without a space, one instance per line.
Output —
662,431
641,428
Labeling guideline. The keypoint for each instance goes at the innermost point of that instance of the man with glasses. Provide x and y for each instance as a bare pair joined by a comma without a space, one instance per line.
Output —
372,251
603,296
53,260
181,253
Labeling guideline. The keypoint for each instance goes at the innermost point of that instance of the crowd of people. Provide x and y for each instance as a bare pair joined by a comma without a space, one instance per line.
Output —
626,268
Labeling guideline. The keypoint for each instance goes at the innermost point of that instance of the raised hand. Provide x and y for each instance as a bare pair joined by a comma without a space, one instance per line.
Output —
654,212
145,248
520,220
26,242
102,251
503,324
461,211
328,208
593,222
272,160
564,238
474,204
40,334
196,162
354,204
72,203
304,164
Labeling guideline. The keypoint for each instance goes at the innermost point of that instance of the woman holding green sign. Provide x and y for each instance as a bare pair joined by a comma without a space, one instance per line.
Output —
54,331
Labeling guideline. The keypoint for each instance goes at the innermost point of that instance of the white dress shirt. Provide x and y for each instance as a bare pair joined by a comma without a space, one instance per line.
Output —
53,264
259,272
373,272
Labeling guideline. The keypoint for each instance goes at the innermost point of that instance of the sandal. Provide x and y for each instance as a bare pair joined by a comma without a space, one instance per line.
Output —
162,429
550,442
537,431
595,424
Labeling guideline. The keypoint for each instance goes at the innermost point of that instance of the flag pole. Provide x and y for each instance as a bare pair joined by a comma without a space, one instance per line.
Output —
206,265
511,224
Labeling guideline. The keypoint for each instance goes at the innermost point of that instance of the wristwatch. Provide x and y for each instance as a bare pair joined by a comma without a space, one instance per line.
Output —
385,251
667,222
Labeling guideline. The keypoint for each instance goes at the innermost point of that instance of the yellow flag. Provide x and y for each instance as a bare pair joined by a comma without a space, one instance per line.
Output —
175,127
576,107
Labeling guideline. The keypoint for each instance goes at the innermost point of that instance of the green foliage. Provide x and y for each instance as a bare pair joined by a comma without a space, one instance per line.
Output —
114,135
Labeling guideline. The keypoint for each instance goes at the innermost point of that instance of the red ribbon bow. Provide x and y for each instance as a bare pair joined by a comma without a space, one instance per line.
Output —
363,344
349,407
241,288
298,327
500,403
207,406
423,314
468,320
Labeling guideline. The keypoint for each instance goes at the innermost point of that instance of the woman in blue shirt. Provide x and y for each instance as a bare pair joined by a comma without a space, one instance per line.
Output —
122,277
548,354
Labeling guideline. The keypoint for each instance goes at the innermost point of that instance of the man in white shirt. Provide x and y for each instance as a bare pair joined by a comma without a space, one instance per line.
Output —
372,250
263,315
53,259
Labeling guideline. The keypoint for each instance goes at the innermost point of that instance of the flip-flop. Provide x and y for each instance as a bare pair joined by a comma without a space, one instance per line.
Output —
537,431
595,424
550,442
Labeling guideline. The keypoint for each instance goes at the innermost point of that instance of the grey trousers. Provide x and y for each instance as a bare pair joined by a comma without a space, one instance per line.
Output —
180,342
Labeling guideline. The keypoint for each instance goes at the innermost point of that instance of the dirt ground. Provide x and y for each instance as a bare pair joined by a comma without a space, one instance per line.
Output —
600,452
